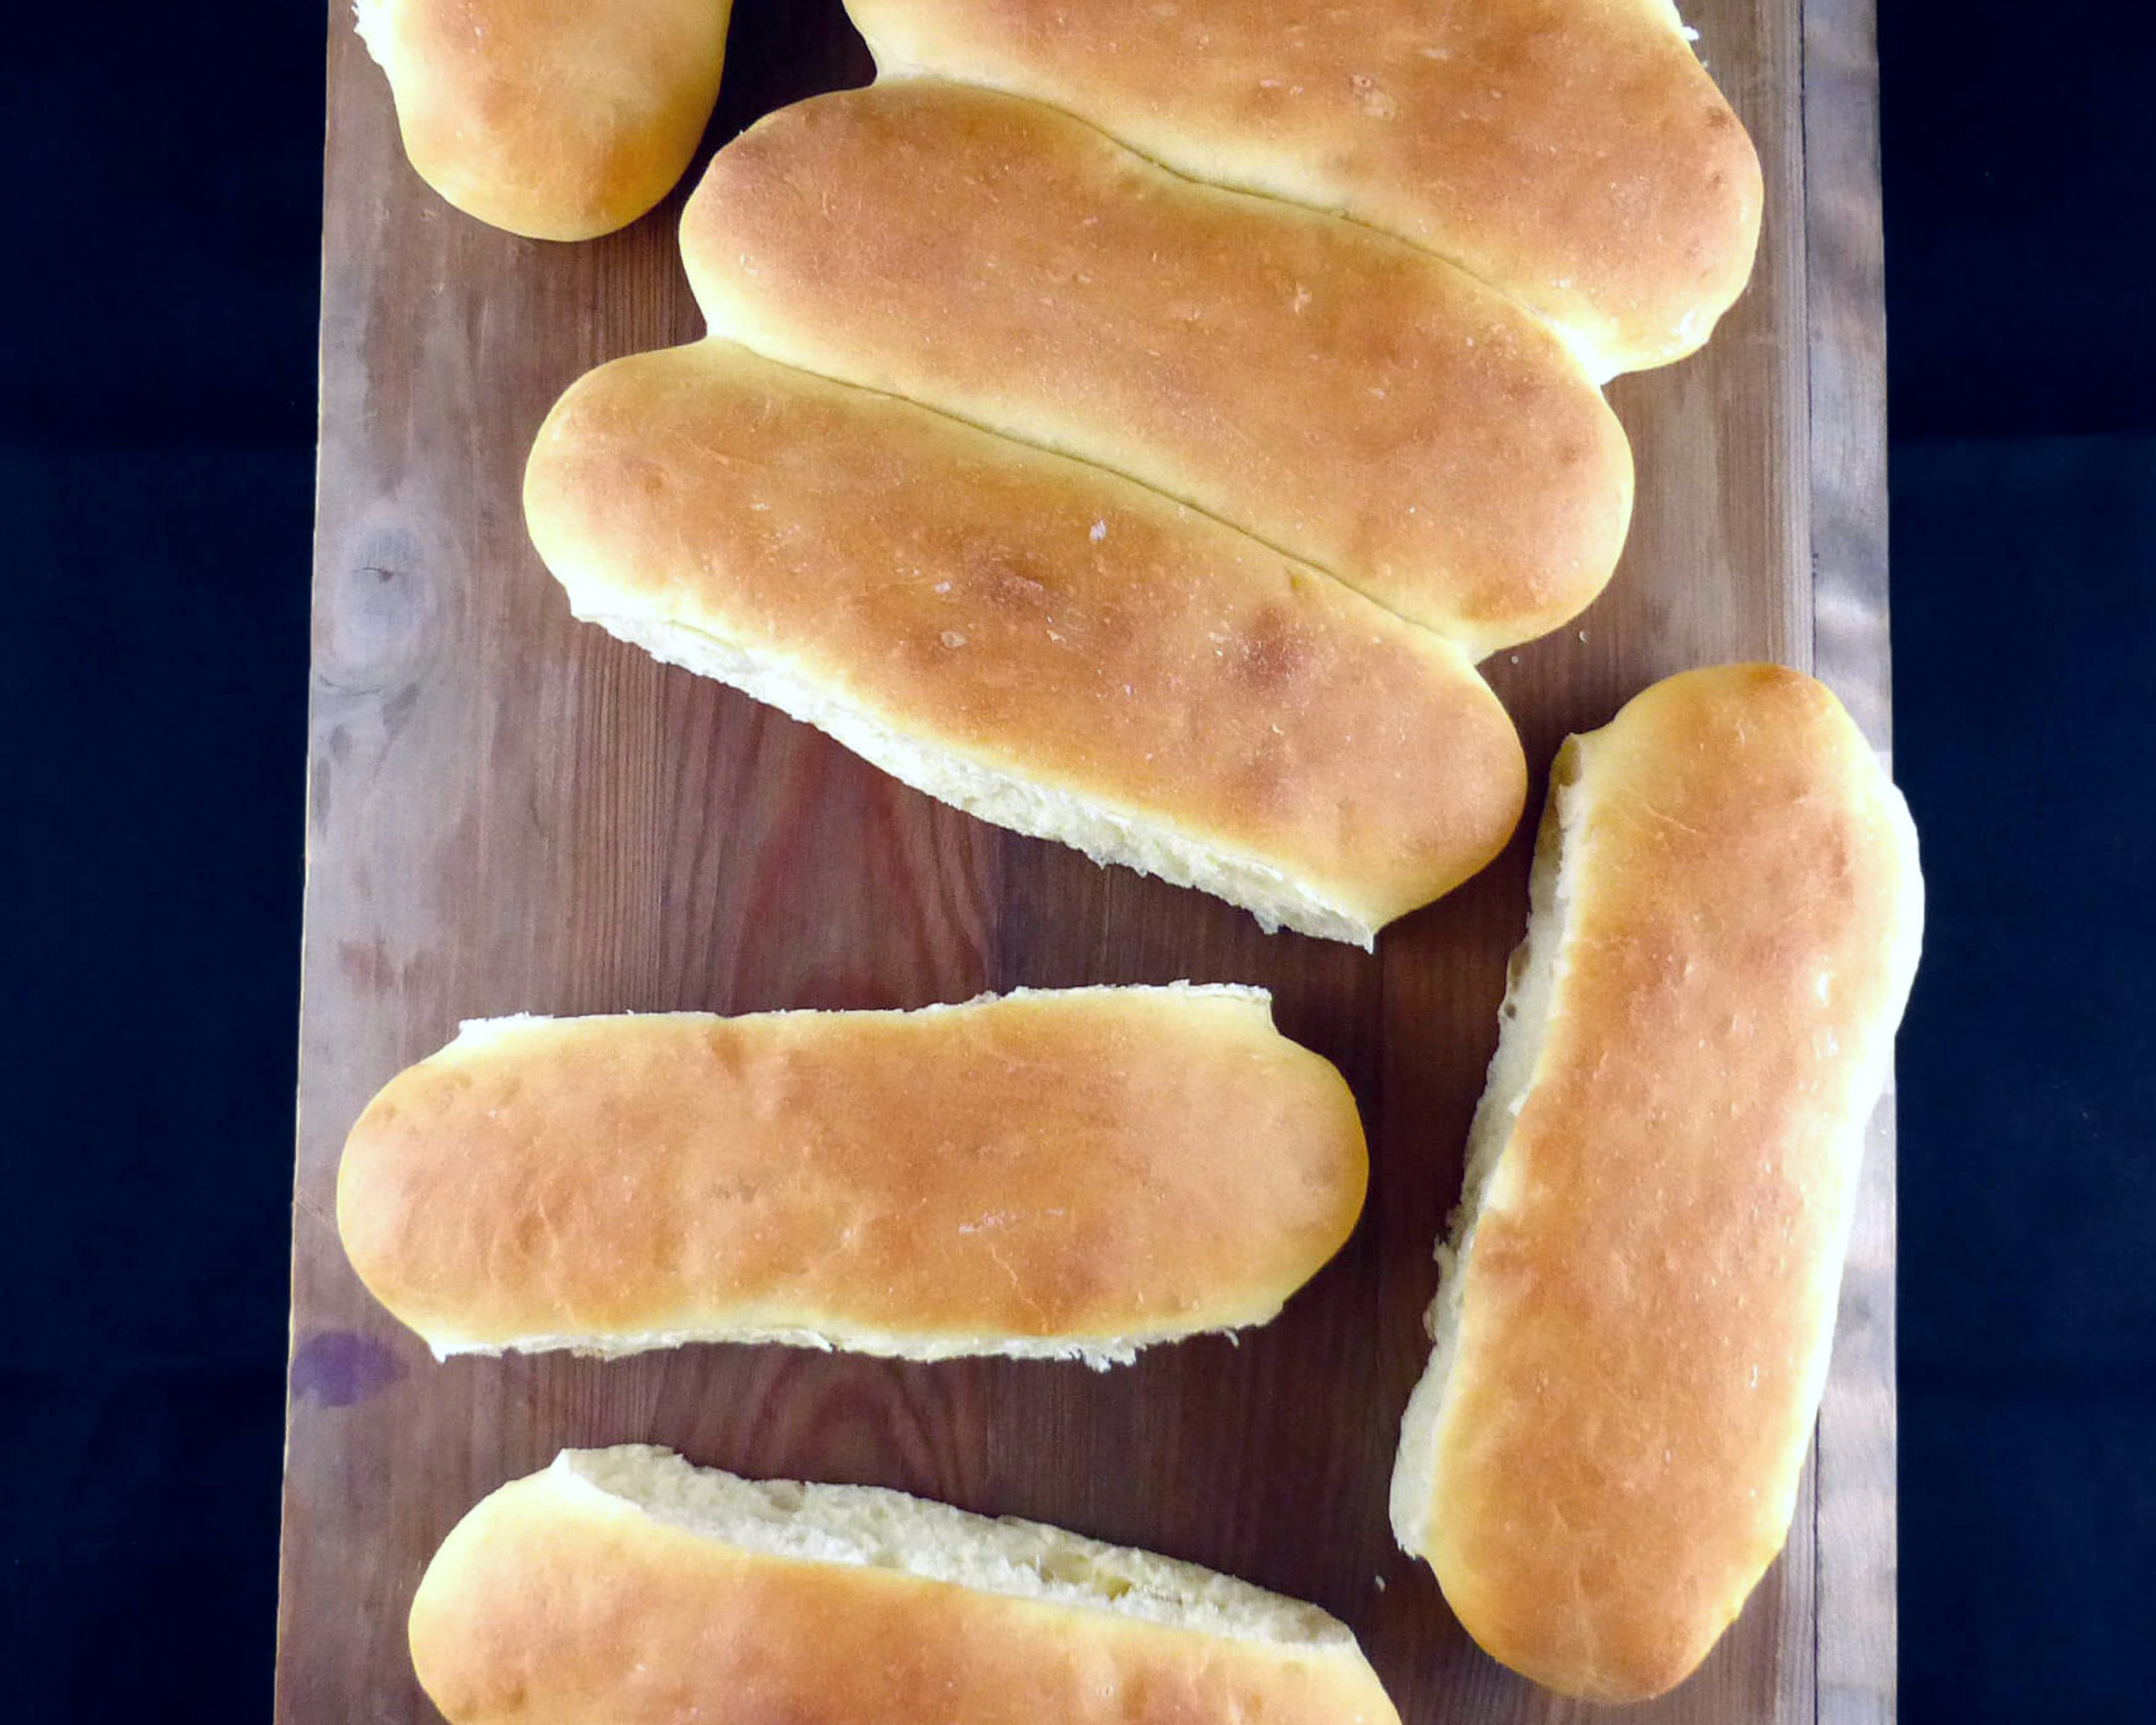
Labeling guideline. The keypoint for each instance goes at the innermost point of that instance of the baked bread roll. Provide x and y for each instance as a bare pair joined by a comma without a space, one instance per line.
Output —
1357,403
1573,152
1069,1174
1037,641
555,119
1632,1324
625,1585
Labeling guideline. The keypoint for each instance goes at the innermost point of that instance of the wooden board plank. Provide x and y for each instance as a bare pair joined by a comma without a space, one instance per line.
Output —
508,811
1854,1538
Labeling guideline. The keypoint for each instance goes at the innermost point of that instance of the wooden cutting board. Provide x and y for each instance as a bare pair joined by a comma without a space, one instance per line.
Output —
508,811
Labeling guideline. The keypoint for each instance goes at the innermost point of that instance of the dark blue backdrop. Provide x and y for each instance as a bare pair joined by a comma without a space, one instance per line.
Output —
156,427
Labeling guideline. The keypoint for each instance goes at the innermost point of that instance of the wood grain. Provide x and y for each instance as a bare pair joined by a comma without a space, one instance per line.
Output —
508,811
1854,1610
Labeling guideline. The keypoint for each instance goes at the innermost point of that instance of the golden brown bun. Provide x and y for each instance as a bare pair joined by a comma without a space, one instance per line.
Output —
1032,639
625,1586
1347,399
1074,1174
1573,152
1632,1325
555,119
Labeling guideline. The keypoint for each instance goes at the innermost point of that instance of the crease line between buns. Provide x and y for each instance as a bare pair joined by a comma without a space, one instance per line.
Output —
1490,493
1372,857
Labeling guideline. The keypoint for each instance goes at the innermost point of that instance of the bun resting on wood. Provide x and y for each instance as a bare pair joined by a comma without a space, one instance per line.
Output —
1035,640
1074,1174
554,119
625,1585
1639,1296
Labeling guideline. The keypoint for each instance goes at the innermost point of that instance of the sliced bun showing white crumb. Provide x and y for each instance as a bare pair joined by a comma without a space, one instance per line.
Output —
1041,642
1071,1174
1636,1303
626,1585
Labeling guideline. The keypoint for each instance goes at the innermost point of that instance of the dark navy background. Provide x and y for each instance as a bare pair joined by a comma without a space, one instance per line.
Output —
158,285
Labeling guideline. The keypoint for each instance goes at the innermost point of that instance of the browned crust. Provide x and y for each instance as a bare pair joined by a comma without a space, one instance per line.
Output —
1027,614
1574,153
545,1606
555,119
1089,1171
1347,399
1650,1293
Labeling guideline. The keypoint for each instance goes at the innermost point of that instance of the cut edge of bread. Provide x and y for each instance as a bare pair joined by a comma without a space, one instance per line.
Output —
1100,1355
1104,833
871,1527
475,1031
1532,978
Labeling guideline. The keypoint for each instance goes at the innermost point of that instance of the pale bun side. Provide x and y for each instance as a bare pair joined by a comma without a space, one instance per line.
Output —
625,1585
1574,154
1034,639
1068,1174
552,119
1637,1300
1342,396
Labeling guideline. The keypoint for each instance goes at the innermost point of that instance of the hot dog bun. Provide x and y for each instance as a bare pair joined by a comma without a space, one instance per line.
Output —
625,1585
1352,400
1037,641
1573,152
555,119
1632,1325
1073,1174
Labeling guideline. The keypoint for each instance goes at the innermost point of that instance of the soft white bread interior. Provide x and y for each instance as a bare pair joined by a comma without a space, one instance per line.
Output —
1637,1301
1342,396
1070,1174
555,119
1035,640
626,1585
1573,152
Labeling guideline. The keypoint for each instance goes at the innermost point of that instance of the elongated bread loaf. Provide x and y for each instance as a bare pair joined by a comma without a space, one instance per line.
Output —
1573,152
1073,1174
1346,398
1632,1325
1053,648
624,1585
555,119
